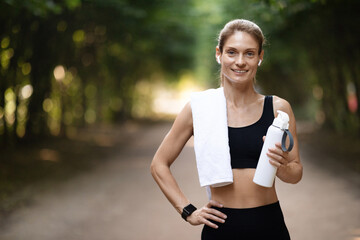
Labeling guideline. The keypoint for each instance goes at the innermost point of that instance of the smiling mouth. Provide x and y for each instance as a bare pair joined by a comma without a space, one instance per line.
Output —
239,71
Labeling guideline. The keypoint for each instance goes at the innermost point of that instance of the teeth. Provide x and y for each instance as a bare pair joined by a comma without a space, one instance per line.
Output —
240,71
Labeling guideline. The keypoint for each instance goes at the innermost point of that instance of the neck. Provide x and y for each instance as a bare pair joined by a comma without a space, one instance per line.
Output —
239,94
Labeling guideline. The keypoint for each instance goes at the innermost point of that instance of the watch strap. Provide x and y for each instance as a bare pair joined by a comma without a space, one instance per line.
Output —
187,211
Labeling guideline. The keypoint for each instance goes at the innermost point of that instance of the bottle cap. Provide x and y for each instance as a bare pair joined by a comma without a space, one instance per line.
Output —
282,120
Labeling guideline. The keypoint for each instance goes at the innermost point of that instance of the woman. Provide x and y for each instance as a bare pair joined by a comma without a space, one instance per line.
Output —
242,209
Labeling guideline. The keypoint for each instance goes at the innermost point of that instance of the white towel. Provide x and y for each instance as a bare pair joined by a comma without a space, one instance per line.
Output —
211,140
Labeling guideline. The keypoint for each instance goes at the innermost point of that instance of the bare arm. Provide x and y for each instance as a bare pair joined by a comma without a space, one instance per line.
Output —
289,165
167,153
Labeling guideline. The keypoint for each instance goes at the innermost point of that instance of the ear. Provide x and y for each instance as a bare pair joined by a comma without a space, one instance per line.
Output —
218,55
261,57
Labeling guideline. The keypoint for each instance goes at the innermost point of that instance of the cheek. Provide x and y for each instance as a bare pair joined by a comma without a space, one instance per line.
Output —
255,61
225,67
253,65
226,63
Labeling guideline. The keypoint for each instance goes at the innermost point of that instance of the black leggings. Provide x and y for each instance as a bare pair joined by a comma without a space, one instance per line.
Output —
264,222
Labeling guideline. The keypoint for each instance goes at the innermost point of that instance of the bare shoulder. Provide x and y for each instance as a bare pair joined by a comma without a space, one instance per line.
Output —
281,104
186,113
184,120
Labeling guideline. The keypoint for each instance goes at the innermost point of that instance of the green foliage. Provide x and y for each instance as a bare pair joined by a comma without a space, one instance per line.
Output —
321,40
82,60
43,8
65,64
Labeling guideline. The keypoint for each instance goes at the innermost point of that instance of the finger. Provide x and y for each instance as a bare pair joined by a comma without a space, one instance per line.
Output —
210,224
210,209
214,218
216,213
213,203
277,151
275,163
264,138
276,157
278,145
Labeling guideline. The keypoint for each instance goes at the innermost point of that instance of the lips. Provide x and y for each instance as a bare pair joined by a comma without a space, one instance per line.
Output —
239,71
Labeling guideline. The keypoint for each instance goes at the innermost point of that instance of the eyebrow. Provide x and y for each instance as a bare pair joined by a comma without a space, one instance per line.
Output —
247,49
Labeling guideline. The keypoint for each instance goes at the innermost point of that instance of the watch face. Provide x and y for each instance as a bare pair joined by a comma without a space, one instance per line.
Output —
188,210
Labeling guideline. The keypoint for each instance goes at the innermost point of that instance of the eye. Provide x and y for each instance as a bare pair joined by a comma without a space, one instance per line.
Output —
250,54
231,52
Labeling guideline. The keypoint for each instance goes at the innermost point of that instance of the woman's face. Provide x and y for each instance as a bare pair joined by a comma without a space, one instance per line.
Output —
240,58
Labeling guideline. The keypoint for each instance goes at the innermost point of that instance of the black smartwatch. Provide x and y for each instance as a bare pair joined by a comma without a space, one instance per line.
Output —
187,211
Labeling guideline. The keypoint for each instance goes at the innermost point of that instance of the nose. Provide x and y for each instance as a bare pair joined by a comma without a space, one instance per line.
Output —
240,60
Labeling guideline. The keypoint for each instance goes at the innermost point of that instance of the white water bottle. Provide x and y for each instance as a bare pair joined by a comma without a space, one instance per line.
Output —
277,132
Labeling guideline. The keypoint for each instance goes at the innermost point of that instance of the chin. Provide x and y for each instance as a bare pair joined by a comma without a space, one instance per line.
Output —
238,80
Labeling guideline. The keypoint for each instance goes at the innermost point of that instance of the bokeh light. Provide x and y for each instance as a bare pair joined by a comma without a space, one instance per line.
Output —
10,106
5,56
79,36
48,105
59,73
5,42
26,68
26,91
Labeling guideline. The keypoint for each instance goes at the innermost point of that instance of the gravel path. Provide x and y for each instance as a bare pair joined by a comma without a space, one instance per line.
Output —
119,200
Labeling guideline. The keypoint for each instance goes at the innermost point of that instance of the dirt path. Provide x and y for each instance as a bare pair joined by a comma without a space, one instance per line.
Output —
119,200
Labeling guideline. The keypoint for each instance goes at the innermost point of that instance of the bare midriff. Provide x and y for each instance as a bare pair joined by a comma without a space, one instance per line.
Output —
243,192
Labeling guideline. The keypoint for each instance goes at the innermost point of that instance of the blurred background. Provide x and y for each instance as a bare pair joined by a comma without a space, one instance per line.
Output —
79,79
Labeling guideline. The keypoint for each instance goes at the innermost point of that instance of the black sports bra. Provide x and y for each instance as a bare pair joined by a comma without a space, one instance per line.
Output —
246,142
